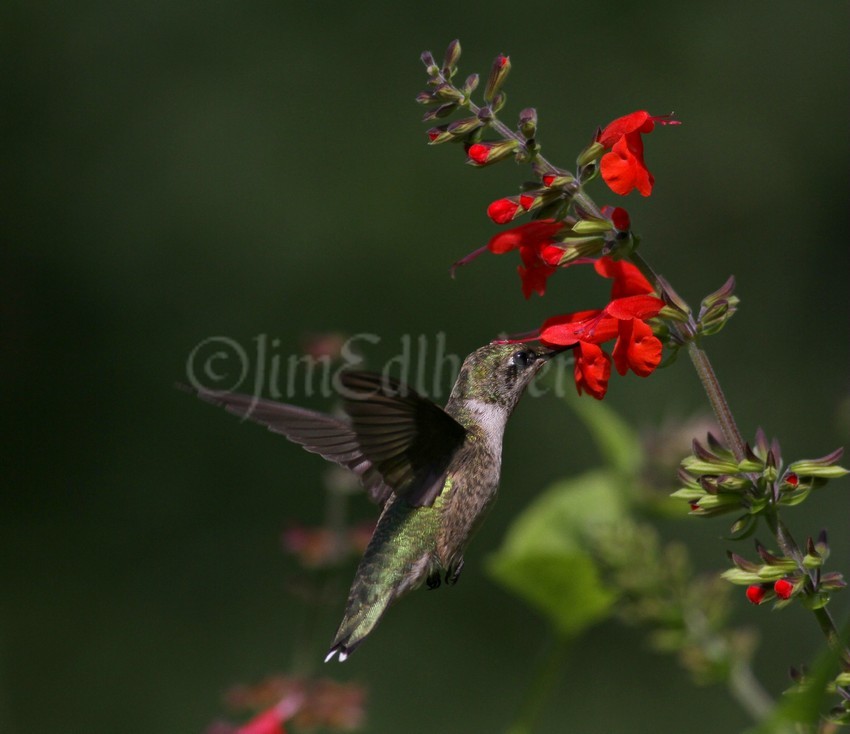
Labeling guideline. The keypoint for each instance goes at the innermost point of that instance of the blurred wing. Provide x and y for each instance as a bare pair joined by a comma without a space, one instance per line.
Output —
408,439
318,433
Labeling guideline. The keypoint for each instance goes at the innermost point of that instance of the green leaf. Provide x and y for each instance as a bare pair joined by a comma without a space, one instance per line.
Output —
546,558
565,588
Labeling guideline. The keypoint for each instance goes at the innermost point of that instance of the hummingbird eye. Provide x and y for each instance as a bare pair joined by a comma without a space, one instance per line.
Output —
523,358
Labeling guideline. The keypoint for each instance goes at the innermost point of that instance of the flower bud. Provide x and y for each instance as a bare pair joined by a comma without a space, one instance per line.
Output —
483,154
783,588
739,577
471,84
438,135
590,154
591,225
462,127
578,247
444,110
498,74
452,56
756,593
528,123
504,210
431,65
823,467
448,93
557,180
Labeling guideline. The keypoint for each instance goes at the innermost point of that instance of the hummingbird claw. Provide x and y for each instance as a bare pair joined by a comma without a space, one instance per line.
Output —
434,580
453,574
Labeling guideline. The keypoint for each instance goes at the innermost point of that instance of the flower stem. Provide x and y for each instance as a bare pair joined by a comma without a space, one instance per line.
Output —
749,693
721,408
548,670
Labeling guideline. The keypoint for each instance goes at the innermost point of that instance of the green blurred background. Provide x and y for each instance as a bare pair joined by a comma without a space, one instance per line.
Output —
176,171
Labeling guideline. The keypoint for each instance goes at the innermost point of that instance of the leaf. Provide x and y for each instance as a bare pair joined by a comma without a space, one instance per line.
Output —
545,558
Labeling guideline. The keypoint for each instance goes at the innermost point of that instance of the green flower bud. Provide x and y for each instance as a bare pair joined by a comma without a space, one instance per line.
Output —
740,577
590,154
592,226
528,123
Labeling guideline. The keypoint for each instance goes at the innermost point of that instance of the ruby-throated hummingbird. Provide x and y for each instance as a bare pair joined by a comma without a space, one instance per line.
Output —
434,470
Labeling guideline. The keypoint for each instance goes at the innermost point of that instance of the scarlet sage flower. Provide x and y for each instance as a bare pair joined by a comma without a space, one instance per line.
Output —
756,593
534,241
623,167
636,349
268,722
783,588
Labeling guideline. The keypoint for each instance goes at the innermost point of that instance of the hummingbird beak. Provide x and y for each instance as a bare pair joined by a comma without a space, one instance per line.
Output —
550,353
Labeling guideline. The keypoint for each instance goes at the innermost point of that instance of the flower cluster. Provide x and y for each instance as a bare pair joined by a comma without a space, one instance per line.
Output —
624,319
716,483
782,578
309,703
567,228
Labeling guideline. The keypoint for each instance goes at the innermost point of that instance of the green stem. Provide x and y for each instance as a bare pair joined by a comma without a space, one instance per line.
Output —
721,408
749,693
548,671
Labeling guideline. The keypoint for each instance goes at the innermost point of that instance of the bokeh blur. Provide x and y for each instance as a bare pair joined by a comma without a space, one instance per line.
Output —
175,172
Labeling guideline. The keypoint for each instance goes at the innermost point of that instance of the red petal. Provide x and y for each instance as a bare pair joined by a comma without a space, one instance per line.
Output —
526,201
756,593
637,348
628,280
634,307
620,219
592,370
531,234
479,152
783,588
622,126
503,211
534,278
623,169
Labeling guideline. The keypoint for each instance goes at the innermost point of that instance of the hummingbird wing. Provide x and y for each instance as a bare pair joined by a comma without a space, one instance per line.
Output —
407,438
318,433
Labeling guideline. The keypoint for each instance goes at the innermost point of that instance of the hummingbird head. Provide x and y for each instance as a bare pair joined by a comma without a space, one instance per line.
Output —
499,373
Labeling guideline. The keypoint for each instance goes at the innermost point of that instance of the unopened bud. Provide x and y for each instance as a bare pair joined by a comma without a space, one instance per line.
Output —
589,154
528,123
498,74
431,65
459,128
471,84
452,56
483,154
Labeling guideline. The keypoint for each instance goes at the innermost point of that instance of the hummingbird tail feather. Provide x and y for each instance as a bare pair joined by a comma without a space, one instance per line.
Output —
367,604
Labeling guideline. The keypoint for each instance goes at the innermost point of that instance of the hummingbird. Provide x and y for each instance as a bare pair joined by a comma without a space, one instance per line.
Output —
434,471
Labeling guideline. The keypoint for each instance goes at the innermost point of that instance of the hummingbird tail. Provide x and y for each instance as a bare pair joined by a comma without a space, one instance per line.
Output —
367,604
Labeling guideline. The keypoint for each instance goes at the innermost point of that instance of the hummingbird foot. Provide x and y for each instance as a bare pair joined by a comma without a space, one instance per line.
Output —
433,581
453,574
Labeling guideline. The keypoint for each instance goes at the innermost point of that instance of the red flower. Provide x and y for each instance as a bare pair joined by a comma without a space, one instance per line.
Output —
503,211
636,348
628,280
756,593
268,722
592,369
533,241
623,168
783,588
479,152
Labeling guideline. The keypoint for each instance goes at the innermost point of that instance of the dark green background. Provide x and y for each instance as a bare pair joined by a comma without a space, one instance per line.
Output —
175,171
